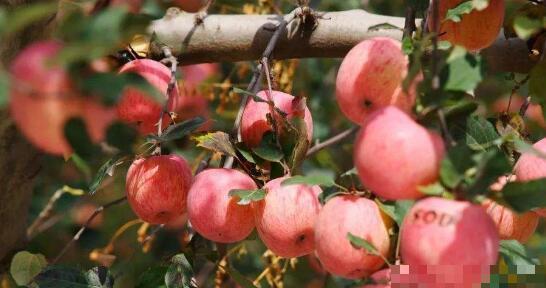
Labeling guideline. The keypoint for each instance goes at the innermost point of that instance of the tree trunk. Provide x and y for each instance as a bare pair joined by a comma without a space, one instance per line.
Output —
19,161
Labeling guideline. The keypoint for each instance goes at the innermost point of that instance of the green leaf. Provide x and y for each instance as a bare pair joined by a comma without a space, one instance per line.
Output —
396,210
247,196
182,129
536,84
99,277
217,142
239,278
407,45
384,26
514,253
106,169
121,136
311,180
524,147
153,278
25,266
245,153
481,134
4,88
524,196
434,189
61,277
362,243
526,27
268,149
490,166
78,137
466,7
25,15
454,165
180,273
464,70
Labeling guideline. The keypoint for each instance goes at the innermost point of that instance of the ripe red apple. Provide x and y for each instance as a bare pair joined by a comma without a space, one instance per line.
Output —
371,77
286,217
454,241
530,167
42,98
254,122
382,278
213,213
394,155
190,5
360,217
194,75
98,118
476,30
178,223
135,106
510,224
157,188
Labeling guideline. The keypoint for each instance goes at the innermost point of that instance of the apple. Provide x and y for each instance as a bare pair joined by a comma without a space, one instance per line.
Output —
213,213
157,188
455,241
139,108
371,76
382,279
510,224
42,98
476,30
98,118
394,155
285,218
254,122
361,217
191,6
531,167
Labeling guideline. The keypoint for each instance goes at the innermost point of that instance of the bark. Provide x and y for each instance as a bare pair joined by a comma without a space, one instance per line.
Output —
19,161
230,38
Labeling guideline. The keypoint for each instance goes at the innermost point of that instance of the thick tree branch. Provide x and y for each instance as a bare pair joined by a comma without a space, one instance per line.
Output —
231,38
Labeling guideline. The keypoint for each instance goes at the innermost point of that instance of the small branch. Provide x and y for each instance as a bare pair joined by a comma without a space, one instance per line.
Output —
334,140
44,215
84,227
435,30
409,26
171,60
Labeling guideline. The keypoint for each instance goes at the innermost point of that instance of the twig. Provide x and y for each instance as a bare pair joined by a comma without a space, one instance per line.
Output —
443,123
409,26
254,85
331,141
170,59
87,223
45,214
436,30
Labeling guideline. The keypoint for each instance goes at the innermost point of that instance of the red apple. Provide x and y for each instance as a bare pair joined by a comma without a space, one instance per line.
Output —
98,118
371,77
213,213
361,217
157,188
394,155
454,241
190,5
42,98
194,75
530,167
135,106
382,279
286,217
510,224
476,30
254,122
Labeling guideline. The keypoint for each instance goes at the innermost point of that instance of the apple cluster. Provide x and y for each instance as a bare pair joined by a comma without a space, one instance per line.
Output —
441,240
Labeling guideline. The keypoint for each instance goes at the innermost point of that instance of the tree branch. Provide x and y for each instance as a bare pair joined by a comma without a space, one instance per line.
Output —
232,38
332,141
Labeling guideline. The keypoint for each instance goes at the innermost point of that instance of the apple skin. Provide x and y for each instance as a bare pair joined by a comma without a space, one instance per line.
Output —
213,213
448,239
530,167
135,106
98,118
360,217
391,142
191,6
42,98
157,188
476,30
371,76
382,278
285,218
510,224
254,122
